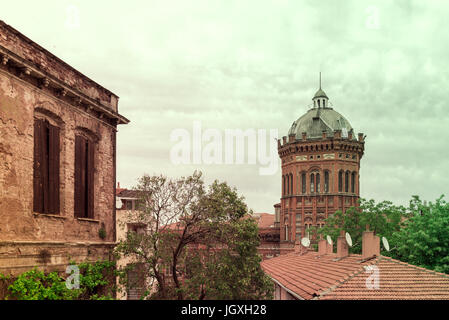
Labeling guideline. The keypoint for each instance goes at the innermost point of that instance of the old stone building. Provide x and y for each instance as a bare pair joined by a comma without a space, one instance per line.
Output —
127,220
57,160
320,170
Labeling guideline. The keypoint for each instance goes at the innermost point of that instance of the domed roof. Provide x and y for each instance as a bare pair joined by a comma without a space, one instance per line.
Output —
317,120
320,94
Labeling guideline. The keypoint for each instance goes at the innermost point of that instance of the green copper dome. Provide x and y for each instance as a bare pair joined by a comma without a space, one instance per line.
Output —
319,119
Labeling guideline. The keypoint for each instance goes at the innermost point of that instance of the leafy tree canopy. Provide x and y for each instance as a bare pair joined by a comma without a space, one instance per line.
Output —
200,242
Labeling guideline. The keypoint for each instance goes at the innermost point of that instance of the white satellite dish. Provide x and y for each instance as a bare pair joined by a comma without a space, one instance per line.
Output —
305,242
118,203
348,239
329,239
386,244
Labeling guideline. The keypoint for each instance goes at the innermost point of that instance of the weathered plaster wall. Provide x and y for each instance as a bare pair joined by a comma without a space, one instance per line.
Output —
19,103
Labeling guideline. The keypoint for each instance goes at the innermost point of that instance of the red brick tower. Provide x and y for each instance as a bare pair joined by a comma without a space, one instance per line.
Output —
320,161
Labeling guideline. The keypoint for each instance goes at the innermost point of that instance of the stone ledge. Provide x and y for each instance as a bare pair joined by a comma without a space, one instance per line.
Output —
47,215
56,243
88,220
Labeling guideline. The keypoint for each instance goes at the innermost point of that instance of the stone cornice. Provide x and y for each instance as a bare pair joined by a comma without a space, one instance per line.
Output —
27,71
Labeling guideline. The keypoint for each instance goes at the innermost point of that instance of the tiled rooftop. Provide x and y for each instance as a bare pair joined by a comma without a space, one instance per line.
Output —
311,276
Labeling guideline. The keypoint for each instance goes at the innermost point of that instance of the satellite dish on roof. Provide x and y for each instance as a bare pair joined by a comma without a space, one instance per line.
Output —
348,239
118,203
329,239
385,243
305,242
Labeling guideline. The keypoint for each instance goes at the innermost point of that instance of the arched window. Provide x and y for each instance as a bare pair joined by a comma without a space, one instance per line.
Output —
318,103
340,181
353,182
347,181
326,181
318,182
303,182
288,184
291,183
283,185
312,185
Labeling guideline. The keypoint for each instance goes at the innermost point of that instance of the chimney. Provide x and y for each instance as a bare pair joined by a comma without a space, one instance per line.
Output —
284,140
370,244
304,136
342,246
324,247
298,246
118,185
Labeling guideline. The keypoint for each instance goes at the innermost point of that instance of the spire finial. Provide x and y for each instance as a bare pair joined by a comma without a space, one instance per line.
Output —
320,79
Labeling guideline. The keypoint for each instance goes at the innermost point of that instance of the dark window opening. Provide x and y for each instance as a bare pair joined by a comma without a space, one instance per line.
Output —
312,186
84,178
326,181
347,181
340,181
353,182
303,182
46,168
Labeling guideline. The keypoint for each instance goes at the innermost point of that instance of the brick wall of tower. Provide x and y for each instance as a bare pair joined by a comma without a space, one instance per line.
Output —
308,156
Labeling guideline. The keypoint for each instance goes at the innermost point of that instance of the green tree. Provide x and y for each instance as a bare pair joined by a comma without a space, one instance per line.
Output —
424,239
384,218
202,234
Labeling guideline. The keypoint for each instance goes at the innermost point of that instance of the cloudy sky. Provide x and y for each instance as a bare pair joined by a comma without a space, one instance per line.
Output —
255,64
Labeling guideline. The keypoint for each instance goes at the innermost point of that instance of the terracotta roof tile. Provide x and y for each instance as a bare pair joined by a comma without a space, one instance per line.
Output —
324,277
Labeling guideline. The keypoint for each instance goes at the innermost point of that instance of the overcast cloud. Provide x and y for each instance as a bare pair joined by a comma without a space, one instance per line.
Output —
255,64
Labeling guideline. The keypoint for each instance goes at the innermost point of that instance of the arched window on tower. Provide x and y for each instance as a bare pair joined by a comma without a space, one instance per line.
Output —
291,183
347,181
312,184
326,181
303,182
318,103
353,182
340,181
318,182
283,185
324,103
288,184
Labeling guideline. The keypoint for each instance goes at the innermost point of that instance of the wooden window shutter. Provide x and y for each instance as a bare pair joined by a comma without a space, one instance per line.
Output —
90,178
45,174
53,169
80,177
38,174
